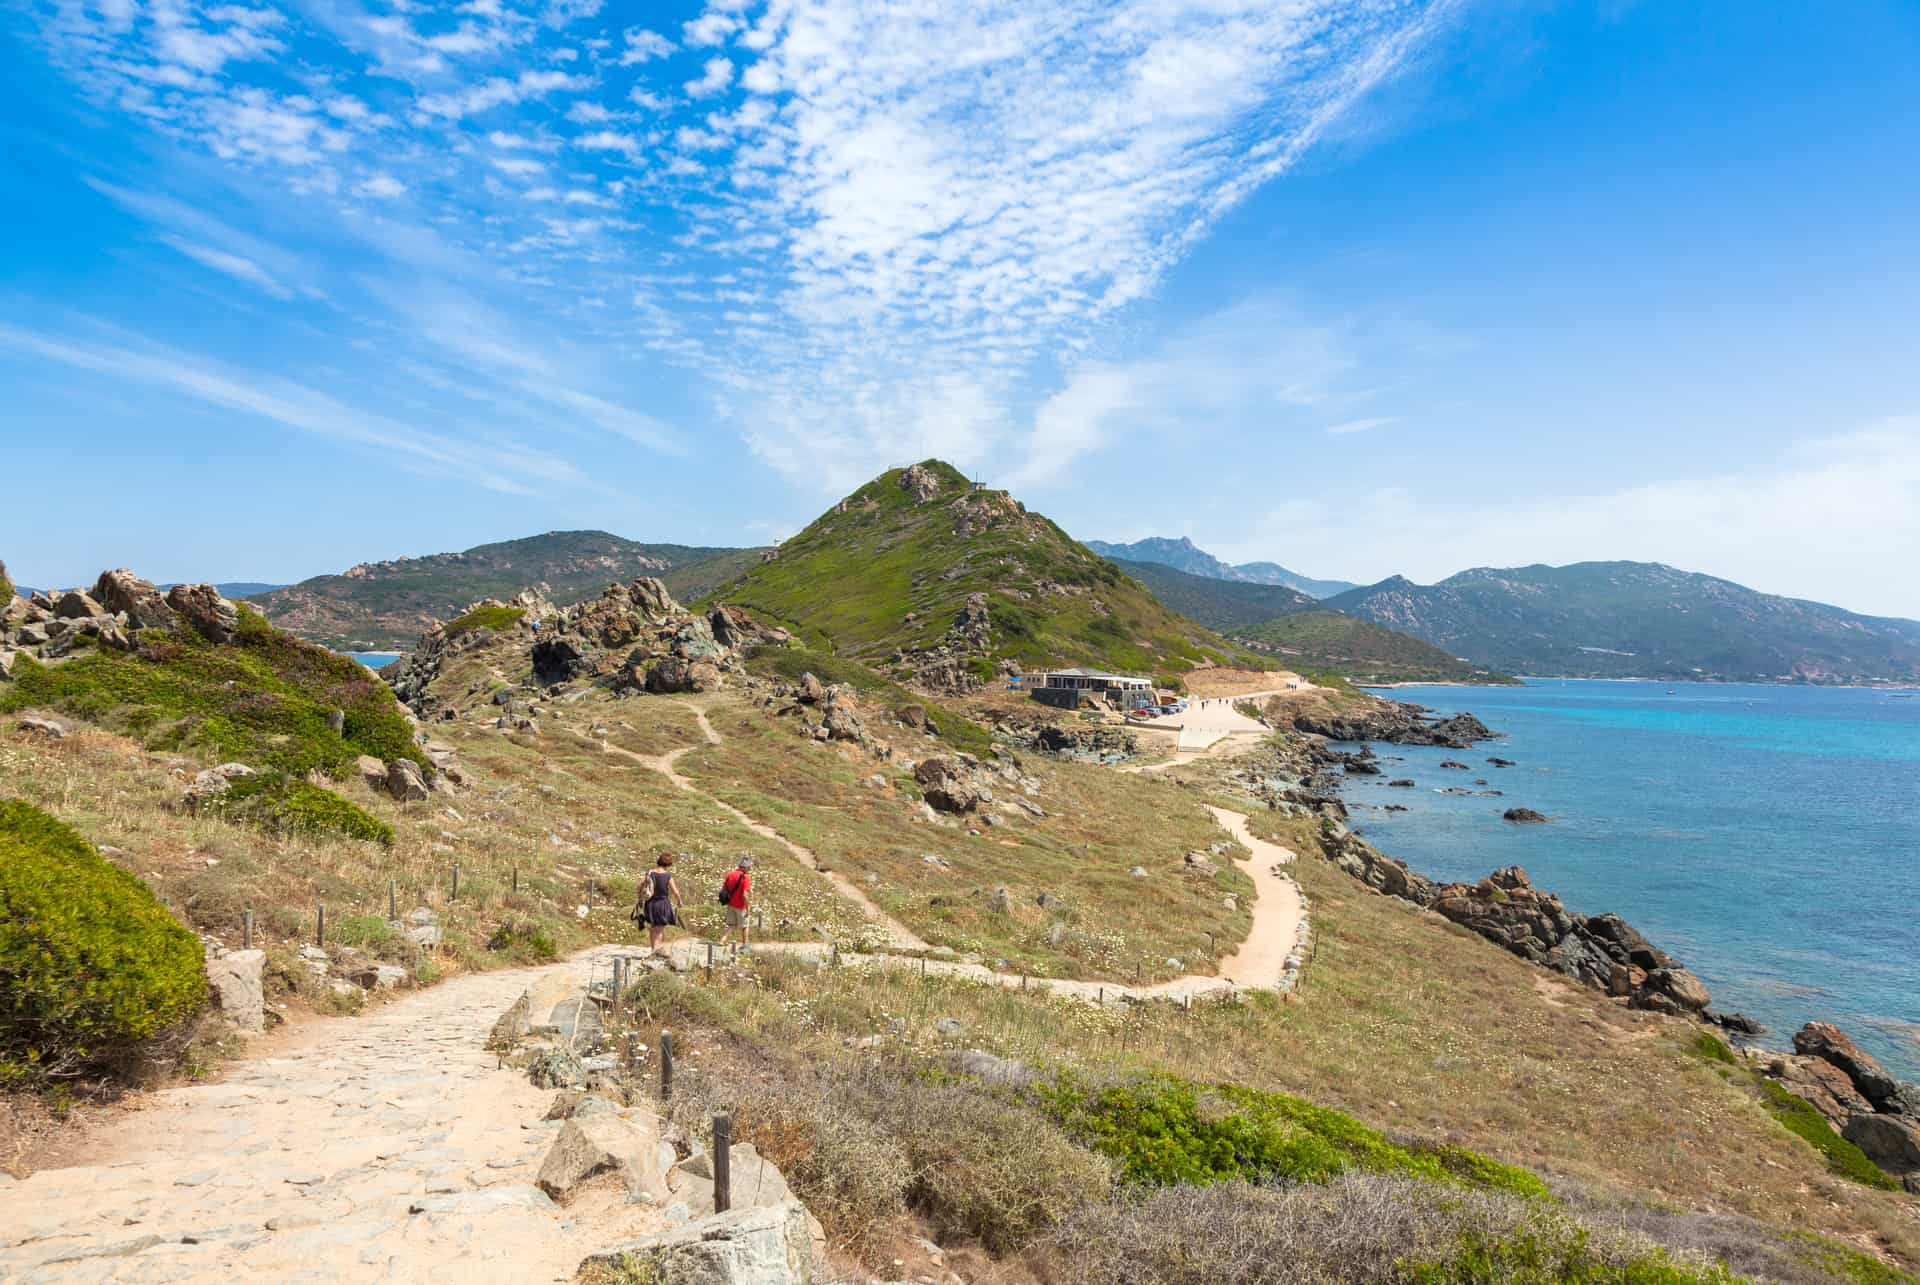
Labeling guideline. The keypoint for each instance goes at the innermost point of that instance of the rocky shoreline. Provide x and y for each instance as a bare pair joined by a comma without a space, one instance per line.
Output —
1305,775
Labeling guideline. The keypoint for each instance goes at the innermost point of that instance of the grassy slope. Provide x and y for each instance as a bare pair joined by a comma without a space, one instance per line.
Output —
1218,604
1332,642
850,579
391,604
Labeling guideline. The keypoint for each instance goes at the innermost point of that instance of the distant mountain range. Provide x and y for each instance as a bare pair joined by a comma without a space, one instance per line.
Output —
1638,619
1181,555
379,605
1297,629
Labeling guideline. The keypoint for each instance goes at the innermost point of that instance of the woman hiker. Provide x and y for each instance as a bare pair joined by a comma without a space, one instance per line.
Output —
660,895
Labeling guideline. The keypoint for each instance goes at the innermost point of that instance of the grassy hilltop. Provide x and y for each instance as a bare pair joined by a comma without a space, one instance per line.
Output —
891,568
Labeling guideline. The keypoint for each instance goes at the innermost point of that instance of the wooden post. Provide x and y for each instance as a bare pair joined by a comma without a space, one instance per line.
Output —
456,882
666,1066
393,899
320,929
516,880
709,961
618,968
833,953
722,1163
246,930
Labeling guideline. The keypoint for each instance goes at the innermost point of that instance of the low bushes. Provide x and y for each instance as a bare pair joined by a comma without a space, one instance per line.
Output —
91,965
495,618
1383,1229
527,943
1804,1121
277,802
1162,1130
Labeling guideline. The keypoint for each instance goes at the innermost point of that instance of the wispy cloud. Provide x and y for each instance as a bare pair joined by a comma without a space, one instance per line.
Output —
1346,427
930,204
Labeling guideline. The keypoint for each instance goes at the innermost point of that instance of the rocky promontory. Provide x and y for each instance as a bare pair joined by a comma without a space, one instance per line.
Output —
1394,722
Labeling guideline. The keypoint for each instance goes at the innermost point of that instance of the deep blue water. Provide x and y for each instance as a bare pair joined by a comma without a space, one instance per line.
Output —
375,659
1767,836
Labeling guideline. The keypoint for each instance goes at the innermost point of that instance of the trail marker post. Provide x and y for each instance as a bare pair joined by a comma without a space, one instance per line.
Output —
246,930
722,1163
666,1066
320,928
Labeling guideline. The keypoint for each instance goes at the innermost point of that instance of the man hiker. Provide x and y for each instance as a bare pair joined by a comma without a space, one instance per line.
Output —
733,891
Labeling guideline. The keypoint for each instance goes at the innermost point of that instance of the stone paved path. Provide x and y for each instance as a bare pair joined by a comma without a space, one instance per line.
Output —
389,1147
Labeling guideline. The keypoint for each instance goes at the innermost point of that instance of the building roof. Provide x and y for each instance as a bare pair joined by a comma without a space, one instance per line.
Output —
1094,673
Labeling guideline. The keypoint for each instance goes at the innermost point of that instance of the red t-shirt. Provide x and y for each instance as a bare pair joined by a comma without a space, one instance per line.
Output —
740,881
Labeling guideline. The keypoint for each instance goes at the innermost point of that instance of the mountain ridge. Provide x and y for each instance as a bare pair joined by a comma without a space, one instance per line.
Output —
1621,619
1183,555
389,603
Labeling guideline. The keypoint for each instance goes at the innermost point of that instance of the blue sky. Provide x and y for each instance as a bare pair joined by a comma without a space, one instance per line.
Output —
1359,286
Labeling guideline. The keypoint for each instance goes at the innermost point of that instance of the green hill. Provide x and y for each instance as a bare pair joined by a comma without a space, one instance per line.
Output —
378,605
1639,619
946,584
1332,642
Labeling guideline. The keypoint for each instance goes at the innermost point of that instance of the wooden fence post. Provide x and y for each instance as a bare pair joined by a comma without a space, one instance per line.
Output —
246,930
393,898
456,882
320,929
722,1163
666,1066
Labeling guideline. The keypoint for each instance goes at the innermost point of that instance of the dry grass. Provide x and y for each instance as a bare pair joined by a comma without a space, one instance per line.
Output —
1099,826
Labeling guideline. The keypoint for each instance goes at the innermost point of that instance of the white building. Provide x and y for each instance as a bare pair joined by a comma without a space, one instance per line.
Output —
1069,687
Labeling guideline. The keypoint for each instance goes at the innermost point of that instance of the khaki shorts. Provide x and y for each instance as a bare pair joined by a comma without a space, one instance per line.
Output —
736,918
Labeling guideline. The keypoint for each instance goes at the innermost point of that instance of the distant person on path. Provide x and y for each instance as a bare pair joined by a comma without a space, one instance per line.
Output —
733,892
660,897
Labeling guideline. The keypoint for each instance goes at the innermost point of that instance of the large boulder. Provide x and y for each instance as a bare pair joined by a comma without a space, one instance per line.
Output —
1831,1044
754,1180
1890,1141
1822,1084
405,781
122,591
212,616
590,1145
211,784
948,782
1681,986
771,1245
74,605
235,980
557,659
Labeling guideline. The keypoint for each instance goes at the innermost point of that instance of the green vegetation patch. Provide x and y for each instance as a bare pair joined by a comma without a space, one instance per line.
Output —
1547,1258
1845,1263
91,965
1711,1048
1163,1130
494,618
527,943
1804,1121
263,699
284,804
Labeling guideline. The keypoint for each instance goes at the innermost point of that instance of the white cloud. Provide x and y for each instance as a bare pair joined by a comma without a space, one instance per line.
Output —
709,28
607,140
233,265
1349,426
715,76
382,187
500,91
644,46
520,166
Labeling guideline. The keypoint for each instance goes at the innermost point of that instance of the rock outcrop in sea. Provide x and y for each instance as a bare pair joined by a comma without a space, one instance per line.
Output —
1858,1097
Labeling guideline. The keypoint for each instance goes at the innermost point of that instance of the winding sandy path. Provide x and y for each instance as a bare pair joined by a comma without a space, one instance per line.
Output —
389,1147
898,934
1279,911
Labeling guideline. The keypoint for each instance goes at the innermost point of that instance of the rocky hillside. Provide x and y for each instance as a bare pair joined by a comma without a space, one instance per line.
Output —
1183,555
1639,619
950,586
380,605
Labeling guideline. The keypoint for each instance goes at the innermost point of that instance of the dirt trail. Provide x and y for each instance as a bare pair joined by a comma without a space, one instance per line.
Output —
898,933
1278,911
389,1147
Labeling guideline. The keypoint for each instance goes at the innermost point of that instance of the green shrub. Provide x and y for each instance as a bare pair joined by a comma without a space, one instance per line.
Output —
1845,1263
528,943
282,804
1163,1130
1712,1048
1536,1258
91,965
1804,1121
495,618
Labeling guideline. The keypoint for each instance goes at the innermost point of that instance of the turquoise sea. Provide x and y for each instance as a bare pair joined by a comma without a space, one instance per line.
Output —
1768,836
375,659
